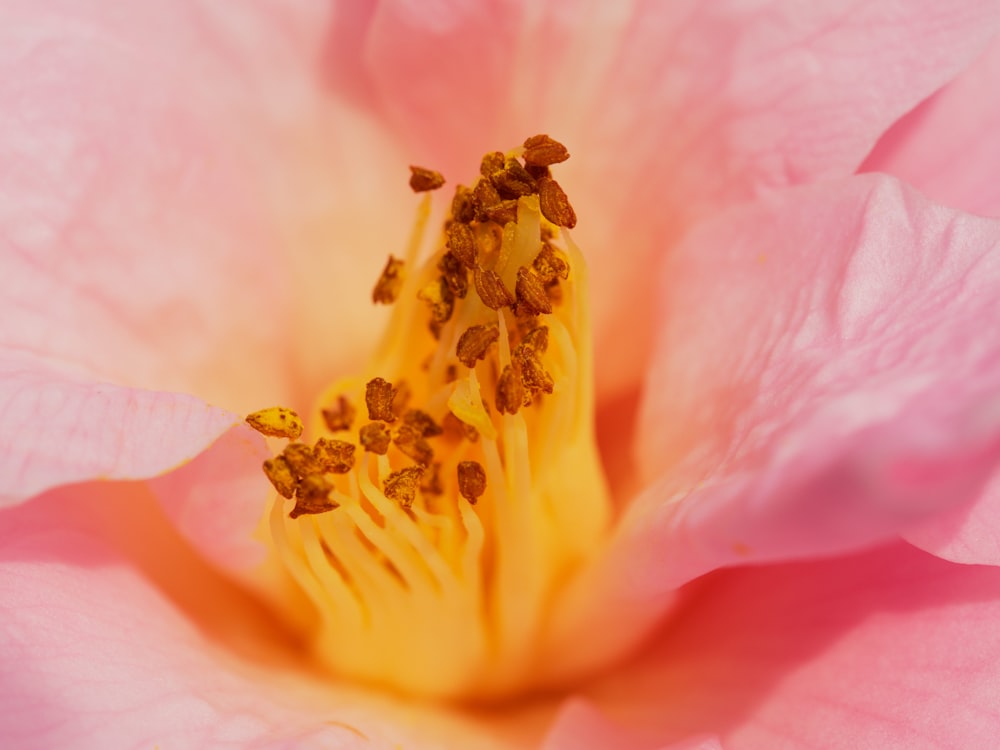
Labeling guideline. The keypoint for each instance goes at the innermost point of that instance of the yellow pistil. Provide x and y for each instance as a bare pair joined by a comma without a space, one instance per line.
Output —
433,533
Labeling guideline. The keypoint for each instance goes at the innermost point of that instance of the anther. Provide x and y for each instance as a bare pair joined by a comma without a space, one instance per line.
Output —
474,342
276,421
439,297
422,180
379,394
374,438
336,456
491,289
281,476
313,496
339,416
390,283
554,203
471,480
510,390
531,293
542,151
402,485
462,243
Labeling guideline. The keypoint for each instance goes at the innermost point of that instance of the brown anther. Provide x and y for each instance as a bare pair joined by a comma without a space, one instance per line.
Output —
462,243
431,482
514,181
374,438
422,422
531,294
510,390
440,299
402,485
422,180
390,283
492,162
463,205
336,456
379,394
276,421
533,374
313,496
542,151
491,290
281,476
549,265
554,203
340,416
411,443
535,340
301,460
471,480
503,212
474,342
486,197
455,275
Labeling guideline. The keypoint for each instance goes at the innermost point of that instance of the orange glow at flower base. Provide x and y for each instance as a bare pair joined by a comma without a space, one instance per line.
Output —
434,560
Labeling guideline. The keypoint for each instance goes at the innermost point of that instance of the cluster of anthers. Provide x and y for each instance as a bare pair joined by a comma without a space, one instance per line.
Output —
433,558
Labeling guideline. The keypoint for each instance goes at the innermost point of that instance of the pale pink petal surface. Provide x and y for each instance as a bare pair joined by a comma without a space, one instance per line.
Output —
177,189
825,378
735,99
947,147
890,648
62,427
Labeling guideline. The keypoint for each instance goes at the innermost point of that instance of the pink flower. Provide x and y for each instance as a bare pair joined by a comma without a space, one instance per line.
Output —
797,367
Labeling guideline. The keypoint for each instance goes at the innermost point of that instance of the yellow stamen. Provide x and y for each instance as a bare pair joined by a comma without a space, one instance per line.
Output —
451,522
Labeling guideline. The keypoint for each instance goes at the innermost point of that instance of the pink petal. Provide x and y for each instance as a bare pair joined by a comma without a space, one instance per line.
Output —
94,656
947,147
825,380
176,188
216,501
671,110
581,726
890,648
967,534
61,427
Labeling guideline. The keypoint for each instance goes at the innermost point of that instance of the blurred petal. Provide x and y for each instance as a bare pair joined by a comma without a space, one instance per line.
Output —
670,109
964,535
825,379
216,501
889,648
93,656
581,726
173,208
947,146
61,427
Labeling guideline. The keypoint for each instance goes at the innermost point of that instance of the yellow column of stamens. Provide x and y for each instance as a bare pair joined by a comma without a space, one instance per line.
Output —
348,608
398,522
297,567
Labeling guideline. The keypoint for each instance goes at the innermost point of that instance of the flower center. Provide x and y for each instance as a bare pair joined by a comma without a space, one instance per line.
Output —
451,491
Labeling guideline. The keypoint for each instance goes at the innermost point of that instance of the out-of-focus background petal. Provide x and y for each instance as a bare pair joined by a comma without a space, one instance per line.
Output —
185,206
947,147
